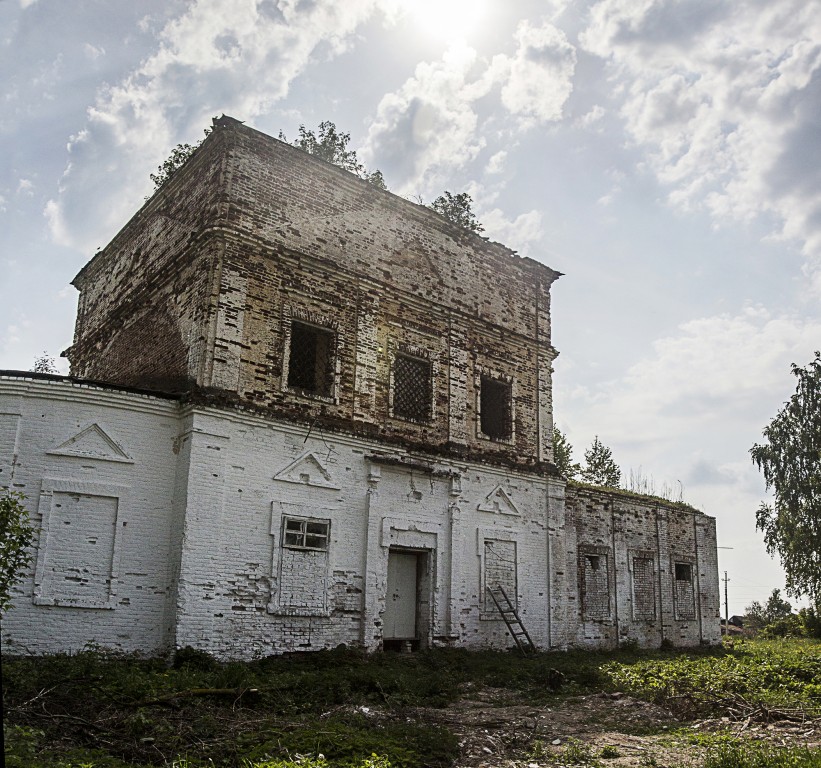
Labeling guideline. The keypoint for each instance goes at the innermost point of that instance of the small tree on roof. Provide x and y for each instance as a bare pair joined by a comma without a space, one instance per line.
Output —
563,454
600,468
178,157
331,145
44,364
457,209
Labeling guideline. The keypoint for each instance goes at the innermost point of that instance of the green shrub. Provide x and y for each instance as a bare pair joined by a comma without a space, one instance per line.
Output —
770,675
578,753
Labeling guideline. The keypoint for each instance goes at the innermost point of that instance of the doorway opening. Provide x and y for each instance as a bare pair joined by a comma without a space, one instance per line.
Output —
407,618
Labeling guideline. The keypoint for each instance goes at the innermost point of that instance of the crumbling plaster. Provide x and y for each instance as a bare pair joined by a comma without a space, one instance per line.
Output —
214,502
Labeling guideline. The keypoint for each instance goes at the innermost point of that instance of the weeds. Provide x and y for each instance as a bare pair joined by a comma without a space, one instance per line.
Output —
762,680
577,753
351,711
758,755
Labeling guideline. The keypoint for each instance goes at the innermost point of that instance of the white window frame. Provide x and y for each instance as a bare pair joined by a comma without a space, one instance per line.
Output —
302,530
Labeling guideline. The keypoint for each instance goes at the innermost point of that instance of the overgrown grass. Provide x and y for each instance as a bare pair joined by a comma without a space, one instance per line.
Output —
773,678
120,712
750,754
101,711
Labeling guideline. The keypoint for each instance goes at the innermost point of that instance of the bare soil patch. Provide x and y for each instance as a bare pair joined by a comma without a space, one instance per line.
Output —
498,729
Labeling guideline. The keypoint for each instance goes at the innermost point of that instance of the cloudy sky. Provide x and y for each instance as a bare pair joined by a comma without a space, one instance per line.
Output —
665,155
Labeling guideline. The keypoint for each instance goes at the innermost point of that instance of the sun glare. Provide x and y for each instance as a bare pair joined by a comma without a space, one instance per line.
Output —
449,19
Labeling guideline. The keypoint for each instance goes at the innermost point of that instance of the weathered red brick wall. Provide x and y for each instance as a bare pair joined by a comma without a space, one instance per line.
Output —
640,540
202,285
388,276
144,299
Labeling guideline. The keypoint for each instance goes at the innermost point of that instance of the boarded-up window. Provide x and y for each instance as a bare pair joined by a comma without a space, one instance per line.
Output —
683,591
411,388
500,570
594,585
644,589
303,571
78,558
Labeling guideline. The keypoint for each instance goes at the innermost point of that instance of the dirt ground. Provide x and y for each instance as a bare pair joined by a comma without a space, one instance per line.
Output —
498,730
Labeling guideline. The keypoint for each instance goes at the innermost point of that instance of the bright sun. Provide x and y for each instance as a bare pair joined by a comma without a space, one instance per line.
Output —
449,19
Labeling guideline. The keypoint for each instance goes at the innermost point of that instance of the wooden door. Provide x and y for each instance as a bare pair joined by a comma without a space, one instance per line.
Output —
401,599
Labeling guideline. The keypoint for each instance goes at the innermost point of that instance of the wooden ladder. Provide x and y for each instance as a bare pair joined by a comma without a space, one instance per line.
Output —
511,618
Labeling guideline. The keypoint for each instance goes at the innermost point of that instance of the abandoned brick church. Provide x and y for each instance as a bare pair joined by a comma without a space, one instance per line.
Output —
303,411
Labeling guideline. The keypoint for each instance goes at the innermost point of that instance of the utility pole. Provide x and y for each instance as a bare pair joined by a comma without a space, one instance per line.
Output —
726,607
726,602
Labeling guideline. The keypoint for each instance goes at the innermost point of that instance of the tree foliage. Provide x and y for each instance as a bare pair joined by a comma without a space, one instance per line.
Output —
563,454
178,157
457,209
16,535
757,616
331,145
600,468
44,364
790,460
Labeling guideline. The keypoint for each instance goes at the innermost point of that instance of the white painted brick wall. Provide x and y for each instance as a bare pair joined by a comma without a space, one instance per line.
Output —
131,613
200,497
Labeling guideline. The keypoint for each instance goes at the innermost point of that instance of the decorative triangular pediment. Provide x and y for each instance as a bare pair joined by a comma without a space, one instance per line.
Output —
307,470
92,443
498,502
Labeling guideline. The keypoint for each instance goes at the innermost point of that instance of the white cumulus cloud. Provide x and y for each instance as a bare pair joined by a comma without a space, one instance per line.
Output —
519,234
429,126
236,58
716,371
723,95
540,74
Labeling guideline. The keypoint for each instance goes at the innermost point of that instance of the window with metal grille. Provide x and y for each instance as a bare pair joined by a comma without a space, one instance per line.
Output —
411,388
311,359
301,533
494,408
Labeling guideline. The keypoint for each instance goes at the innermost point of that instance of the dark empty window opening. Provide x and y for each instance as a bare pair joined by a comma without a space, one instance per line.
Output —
411,388
593,562
311,359
306,534
494,407
684,572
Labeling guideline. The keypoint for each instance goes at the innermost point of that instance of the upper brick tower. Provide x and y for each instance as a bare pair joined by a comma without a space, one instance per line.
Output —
292,285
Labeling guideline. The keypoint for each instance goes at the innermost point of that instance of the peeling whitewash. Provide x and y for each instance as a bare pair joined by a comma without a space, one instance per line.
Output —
358,449
285,538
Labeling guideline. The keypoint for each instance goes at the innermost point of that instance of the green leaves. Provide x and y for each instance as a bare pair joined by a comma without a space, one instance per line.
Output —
755,676
16,535
600,468
563,455
457,209
331,145
790,460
